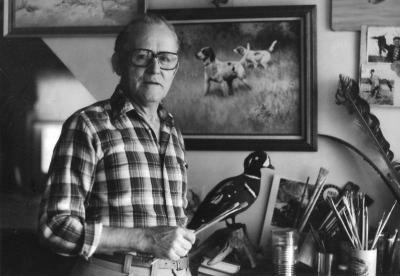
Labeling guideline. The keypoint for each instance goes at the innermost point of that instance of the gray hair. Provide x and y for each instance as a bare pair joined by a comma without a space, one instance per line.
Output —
145,19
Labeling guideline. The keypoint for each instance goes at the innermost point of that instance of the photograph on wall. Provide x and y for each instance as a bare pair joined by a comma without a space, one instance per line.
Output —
350,15
377,84
383,44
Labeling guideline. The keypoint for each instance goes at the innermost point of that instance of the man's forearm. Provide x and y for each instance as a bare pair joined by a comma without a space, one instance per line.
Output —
123,239
168,242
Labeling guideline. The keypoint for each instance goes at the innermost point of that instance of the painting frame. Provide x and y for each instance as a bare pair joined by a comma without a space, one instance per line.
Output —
13,28
305,17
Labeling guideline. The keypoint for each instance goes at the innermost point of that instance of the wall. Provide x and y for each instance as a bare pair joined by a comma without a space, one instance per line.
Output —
338,52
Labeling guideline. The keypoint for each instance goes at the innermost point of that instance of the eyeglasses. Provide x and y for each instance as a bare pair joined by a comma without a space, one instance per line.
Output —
143,58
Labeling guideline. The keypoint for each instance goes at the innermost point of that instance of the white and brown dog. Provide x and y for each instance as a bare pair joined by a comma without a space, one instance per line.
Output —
219,71
255,58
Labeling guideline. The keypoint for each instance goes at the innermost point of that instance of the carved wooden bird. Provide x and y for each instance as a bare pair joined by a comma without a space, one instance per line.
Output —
242,189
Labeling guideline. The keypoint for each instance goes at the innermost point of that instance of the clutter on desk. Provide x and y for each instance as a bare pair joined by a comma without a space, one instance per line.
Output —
333,226
345,221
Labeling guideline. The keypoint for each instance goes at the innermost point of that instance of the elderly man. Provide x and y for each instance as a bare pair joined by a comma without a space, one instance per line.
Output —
117,183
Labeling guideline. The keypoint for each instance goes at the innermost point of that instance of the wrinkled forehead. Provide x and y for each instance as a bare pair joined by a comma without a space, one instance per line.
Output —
142,34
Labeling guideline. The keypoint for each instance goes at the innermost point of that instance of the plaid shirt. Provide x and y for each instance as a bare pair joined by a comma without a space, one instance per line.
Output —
108,169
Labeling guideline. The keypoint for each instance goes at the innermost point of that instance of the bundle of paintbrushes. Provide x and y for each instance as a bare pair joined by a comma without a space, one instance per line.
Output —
350,214
318,188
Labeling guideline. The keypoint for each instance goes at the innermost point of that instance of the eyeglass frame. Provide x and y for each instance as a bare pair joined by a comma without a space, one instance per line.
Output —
154,56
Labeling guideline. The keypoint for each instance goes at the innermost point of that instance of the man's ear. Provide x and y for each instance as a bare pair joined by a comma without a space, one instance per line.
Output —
116,64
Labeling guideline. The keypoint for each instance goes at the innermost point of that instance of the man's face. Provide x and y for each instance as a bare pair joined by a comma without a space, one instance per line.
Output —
149,85
396,42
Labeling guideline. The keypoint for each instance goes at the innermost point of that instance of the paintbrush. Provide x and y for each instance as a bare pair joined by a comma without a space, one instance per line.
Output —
225,214
335,211
318,240
393,249
330,218
217,219
303,195
366,228
382,226
314,198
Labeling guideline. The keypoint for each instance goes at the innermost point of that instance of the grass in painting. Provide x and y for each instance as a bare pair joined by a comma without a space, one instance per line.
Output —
270,106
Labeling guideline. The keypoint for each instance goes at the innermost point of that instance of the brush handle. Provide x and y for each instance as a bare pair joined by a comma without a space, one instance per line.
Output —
235,207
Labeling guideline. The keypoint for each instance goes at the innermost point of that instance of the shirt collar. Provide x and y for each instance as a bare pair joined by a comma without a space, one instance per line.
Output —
120,105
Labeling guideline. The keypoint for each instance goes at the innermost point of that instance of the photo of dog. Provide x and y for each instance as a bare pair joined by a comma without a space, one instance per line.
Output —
255,58
219,71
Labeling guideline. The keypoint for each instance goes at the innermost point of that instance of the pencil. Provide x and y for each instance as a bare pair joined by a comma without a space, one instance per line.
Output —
330,215
296,221
382,226
217,219
393,249
332,205
314,198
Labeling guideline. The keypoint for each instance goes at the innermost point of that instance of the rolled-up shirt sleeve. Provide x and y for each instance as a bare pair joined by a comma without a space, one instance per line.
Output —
64,224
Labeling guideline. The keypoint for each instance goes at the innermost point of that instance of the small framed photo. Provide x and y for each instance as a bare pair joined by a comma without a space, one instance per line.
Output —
380,65
378,83
286,200
383,44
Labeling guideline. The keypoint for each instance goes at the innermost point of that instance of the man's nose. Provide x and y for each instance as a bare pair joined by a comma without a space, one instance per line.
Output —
154,66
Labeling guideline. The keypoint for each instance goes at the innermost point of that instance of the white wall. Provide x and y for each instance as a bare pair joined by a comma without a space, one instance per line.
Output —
338,53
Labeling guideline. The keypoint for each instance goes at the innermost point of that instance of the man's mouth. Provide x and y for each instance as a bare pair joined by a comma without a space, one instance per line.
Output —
150,82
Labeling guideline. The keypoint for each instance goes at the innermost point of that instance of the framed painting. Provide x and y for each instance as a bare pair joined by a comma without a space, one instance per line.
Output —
246,78
61,17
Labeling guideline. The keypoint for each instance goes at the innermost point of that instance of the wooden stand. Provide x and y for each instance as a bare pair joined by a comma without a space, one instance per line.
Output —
231,239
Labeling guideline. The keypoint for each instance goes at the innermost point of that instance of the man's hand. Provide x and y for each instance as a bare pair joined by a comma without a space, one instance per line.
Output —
167,242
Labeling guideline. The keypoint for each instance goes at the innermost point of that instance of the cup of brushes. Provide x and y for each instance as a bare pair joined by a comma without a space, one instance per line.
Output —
348,216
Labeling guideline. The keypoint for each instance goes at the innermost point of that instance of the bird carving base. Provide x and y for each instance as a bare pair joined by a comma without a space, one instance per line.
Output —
232,240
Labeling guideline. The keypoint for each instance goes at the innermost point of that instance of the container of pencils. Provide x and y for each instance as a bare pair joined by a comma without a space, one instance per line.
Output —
363,262
284,244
